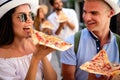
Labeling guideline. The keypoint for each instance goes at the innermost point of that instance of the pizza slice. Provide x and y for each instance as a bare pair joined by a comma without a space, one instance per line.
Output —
100,64
47,24
50,41
62,17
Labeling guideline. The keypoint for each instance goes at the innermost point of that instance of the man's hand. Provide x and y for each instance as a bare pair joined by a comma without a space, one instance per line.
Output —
68,72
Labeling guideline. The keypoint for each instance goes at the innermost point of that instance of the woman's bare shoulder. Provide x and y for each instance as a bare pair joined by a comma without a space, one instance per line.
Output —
4,52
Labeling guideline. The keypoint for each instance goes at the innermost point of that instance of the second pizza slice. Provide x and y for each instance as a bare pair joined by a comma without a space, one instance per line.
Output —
100,64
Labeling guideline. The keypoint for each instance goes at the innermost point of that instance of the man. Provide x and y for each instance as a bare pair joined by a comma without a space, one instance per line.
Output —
97,15
67,27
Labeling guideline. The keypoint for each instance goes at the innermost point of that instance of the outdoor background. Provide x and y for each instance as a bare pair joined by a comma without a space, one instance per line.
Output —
78,5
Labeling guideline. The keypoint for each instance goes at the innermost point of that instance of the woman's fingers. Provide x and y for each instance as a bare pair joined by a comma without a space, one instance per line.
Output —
43,50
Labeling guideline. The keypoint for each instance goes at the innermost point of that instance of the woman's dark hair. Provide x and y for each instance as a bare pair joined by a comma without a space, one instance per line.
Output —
51,2
6,29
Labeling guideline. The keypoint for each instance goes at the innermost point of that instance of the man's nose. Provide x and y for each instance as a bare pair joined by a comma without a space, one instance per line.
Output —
87,16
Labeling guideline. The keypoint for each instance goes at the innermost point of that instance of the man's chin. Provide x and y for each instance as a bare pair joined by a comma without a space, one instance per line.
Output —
90,29
58,9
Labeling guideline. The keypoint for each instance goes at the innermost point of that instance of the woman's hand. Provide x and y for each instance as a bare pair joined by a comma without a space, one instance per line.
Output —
41,51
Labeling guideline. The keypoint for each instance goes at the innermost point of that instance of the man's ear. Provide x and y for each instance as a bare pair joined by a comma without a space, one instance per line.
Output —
112,12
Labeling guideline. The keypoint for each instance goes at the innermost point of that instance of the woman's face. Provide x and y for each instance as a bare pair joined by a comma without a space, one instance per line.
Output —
20,25
41,14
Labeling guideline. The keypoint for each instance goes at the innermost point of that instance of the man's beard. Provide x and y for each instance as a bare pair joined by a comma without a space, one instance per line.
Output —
58,9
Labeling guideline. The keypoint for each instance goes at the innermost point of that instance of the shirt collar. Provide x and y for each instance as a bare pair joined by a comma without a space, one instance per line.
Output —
96,38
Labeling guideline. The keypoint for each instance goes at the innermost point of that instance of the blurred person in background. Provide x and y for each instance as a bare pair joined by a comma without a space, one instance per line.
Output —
68,24
64,20
40,22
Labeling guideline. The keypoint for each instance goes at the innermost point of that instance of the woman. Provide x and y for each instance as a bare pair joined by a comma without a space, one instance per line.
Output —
40,23
20,59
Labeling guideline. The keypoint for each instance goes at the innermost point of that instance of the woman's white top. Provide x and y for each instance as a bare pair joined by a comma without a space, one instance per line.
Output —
16,68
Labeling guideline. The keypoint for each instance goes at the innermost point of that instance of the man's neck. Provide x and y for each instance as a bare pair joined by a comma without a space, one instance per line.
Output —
58,11
103,37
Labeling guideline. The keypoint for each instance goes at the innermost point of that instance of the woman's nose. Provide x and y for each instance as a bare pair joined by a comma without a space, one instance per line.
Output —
29,19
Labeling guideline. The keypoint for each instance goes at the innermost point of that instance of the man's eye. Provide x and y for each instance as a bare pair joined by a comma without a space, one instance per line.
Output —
94,13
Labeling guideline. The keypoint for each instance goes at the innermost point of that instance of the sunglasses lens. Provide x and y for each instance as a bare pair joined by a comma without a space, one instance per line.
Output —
23,17
32,15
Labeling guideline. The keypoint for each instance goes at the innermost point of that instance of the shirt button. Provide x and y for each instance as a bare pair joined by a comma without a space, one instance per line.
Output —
97,40
98,48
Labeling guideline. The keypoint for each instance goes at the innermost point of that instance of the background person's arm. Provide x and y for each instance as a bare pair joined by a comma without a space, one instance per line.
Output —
48,71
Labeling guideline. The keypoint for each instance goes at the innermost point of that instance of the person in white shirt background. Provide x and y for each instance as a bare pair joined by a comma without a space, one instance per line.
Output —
66,28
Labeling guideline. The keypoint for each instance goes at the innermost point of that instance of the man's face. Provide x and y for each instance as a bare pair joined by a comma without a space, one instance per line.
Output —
96,15
58,4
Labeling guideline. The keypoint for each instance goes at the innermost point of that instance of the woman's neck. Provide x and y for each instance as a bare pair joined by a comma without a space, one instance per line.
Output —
17,48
